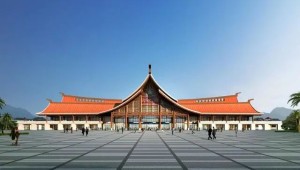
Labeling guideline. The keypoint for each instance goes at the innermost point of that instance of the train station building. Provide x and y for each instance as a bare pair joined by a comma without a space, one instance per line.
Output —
150,107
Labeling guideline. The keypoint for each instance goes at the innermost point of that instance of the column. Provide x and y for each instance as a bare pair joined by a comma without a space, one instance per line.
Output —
111,121
140,121
159,113
126,115
188,121
174,119
198,121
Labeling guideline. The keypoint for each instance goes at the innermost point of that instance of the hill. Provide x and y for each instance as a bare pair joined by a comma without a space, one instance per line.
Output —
17,112
279,112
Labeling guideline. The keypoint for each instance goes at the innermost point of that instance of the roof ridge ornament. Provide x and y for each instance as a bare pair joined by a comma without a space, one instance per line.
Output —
149,68
49,100
249,100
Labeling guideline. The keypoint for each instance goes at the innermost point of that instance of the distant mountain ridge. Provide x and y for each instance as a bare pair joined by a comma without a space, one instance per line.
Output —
17,112
279,112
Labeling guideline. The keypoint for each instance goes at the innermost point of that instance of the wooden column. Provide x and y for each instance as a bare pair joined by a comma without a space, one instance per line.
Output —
188,121
198,122
59,118
126,116
111,121
140,121
174,119
73,118
86,118
159,113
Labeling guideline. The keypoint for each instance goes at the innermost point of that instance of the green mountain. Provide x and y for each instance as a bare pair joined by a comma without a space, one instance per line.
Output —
17,112
278,113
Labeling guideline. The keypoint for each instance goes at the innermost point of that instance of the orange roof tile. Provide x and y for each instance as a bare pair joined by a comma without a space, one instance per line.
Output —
218,99
80,99
242,107
76,108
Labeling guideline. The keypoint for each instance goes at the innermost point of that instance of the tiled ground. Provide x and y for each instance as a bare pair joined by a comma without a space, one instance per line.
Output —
151,150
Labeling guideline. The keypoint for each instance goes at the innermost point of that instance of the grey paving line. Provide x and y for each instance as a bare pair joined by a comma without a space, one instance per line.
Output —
129,153
175,156
53,150
215,153
41,144
268,146
253,151
259,152
58,166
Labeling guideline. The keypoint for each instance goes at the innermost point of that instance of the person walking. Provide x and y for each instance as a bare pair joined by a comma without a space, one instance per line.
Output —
71,129
86,131
122,130
82,131
236,131
214,133
209,133
17,133
13,135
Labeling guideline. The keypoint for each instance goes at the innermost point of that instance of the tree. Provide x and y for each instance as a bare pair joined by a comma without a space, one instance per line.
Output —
292,121
295,99
2,103
6,122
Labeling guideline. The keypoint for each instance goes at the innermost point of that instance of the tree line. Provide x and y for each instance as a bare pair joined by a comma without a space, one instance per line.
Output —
292,121
6,120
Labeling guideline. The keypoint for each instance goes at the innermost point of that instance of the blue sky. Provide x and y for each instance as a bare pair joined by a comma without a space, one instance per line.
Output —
103,48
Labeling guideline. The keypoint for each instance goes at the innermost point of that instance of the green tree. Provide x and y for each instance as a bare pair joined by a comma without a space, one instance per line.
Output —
2,103
295,99
292,121
7,122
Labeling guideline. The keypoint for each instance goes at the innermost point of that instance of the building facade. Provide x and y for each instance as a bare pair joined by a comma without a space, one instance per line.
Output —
149,107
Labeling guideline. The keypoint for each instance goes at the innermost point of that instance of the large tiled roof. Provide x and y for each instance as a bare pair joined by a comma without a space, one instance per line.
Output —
222,108
77,108
211,105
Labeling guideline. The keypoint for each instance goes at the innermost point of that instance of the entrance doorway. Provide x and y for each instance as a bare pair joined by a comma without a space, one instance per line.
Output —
150,126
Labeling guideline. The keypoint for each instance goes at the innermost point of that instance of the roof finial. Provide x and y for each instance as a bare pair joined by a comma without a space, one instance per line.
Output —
250,100
149,68
49,100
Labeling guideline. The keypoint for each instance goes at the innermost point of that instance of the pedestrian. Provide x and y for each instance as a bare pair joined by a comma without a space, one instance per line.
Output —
193,131
86,131
122,130
172,131
71,129
13,135
82,130
209,133
214,133
236,131
17,135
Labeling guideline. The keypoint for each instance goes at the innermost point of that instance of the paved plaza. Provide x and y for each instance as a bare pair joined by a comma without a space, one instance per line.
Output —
151,150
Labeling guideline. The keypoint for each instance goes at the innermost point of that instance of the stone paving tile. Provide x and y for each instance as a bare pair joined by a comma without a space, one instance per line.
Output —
151,150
